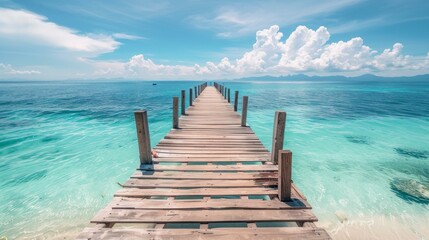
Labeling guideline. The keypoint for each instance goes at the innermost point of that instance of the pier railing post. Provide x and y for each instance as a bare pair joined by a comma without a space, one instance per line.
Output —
278,135
236,101
175,112
224,93
244,111
190,97
285,175
183,102
229,95
196,93
143,137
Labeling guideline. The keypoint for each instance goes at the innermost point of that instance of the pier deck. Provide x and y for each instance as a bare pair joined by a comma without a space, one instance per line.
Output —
213,179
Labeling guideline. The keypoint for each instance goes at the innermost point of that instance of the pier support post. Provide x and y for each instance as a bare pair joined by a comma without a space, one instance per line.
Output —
278,135
190,97
183,102
244,111
285,175
236,101
224,93
229,95
196,93
143,137
175,112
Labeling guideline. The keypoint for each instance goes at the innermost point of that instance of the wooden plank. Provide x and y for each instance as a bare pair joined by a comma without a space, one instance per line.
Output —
285,233
211,168
238,137
202,216
208,160
142,192
165,183
212,146
137,203
190,151
205,175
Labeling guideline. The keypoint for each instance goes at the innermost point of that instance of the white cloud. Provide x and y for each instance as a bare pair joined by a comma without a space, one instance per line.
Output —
7,69
304,50
126,36
33,28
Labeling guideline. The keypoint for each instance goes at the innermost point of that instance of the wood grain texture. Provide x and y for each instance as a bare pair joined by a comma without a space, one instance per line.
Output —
284,233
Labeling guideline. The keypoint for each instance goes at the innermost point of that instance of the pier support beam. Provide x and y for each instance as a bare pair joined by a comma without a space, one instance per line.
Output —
183,102
143,137
278,135
175,112
236,101
244,111
285,175
190,97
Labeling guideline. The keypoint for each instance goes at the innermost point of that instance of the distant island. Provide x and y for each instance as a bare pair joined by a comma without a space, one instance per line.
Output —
303,77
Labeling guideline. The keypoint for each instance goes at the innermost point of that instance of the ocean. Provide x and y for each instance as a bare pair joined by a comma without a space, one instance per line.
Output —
360,150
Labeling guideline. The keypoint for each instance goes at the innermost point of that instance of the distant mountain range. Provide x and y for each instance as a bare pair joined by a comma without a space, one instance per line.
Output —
365,77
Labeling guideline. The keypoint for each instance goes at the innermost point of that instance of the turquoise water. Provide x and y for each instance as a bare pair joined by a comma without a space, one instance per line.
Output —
358,147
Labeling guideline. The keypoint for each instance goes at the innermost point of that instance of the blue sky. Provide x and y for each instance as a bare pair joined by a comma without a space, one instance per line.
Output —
117,39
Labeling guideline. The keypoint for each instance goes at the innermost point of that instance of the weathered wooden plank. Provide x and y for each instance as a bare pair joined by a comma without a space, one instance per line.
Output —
216,159
174,183
211,168
226,137
285,233
202,216
212,146
205,204
167,192
211,151
205,175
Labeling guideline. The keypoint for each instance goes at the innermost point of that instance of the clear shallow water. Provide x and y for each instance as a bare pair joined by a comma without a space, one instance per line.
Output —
64,146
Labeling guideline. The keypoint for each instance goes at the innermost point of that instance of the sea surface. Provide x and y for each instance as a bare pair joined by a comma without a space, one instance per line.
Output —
360,150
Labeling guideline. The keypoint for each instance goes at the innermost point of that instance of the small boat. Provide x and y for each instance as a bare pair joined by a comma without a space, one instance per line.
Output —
154,83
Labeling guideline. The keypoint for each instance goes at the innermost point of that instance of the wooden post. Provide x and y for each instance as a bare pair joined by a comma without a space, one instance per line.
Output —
143,137
190,97
195,90
224,93
183,102
229,95
285,175
236,101
278,135
244,111
176,112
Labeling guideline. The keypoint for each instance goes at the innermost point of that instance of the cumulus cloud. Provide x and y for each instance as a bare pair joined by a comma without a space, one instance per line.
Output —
7,69
304,50
25,25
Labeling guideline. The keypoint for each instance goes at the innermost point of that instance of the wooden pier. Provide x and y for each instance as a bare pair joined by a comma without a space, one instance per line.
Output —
212,179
